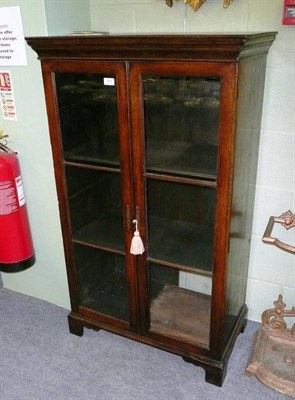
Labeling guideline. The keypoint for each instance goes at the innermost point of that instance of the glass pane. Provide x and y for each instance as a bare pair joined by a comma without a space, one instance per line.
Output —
181,124
96,207
180,304
102,281
88,117
180,223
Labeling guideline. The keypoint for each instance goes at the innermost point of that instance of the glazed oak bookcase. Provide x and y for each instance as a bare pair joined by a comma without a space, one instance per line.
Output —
164,130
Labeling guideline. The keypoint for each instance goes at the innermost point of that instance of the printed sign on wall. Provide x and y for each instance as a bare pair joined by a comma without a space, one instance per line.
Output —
12,41
6,97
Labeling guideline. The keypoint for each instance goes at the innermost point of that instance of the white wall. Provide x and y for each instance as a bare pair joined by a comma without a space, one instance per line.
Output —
64,16
271,270
30,137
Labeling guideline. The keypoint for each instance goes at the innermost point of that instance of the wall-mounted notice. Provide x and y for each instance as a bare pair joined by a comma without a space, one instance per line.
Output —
6,97
12,41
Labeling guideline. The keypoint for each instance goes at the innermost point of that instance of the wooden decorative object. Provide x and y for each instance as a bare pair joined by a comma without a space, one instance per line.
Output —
196,4
227,3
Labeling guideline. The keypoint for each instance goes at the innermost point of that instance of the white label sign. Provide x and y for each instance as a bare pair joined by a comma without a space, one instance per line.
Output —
8,200
20,191
109,81
12,41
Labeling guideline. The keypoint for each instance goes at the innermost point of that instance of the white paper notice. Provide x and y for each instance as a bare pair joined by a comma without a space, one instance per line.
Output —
6,97
12,41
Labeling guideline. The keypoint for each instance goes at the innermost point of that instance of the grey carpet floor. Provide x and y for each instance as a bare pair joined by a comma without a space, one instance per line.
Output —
41,360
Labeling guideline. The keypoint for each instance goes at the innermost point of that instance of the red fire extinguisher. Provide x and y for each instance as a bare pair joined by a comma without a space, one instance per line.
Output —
16,245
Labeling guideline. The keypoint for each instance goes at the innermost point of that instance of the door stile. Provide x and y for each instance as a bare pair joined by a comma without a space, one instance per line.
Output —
127,187
223,202
55,139
138,157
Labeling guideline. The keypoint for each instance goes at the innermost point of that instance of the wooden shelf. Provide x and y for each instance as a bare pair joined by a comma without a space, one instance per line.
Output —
104,233
111,297
181,243
106,154
181,158
181,314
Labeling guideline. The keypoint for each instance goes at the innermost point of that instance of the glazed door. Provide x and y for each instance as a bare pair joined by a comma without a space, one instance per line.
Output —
91,152
177,138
